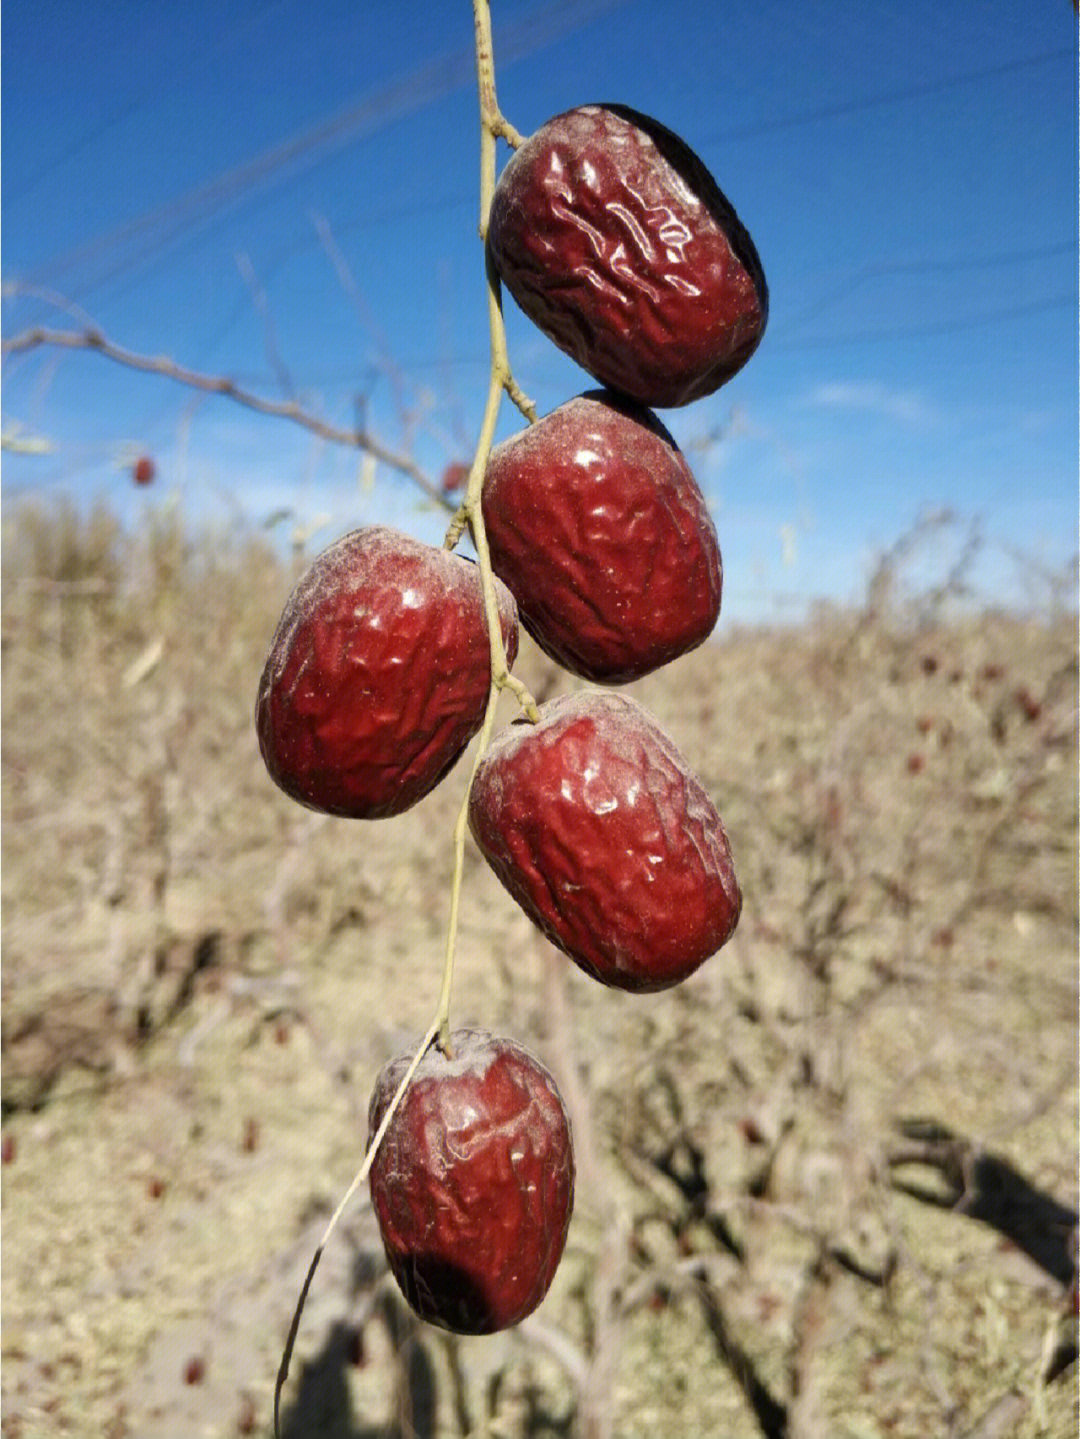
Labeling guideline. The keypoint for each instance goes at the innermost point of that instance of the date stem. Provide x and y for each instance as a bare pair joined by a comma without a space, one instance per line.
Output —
493,126
470,514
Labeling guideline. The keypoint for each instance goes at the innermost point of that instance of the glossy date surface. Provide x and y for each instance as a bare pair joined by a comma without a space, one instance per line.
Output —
614,239
378,674
598,528
594,823
473,1184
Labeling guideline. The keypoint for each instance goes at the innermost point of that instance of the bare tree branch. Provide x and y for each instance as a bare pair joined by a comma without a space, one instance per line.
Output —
358,439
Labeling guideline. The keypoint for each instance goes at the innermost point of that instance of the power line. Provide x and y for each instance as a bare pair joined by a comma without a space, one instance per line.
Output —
194,60
887,97
196,207
957,325
942,327
946,265
279,258
949,266
430,81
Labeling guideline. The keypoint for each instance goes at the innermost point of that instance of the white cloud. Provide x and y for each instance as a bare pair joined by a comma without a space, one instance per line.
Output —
906,407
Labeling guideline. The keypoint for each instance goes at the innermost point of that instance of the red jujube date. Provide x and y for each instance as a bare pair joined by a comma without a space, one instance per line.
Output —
596,826
613,238
378,675
473,1183
598,528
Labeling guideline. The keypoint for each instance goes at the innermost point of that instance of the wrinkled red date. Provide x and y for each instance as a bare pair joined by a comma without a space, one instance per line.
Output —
598,528
616,241
473,1183
593,822
378,675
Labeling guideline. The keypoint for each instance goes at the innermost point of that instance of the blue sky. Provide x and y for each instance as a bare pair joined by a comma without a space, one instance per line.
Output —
286,193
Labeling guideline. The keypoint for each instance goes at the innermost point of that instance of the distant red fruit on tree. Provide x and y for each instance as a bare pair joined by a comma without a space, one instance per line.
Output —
751,1130
454,478
143,470
1029,706
248,1418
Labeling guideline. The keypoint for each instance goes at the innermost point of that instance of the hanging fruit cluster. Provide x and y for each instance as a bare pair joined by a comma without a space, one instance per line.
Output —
614,239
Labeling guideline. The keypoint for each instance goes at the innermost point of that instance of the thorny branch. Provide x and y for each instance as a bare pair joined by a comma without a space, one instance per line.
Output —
357,439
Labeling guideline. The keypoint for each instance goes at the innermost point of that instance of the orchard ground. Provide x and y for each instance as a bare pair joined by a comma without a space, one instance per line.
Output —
826,1187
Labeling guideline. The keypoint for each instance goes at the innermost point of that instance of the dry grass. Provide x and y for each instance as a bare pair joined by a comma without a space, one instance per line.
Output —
201,981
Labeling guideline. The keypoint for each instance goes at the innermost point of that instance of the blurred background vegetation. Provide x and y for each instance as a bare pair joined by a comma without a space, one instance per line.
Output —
825,1188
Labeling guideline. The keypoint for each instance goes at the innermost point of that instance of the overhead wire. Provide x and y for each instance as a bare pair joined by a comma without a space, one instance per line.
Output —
373,111
180,67
950,265
952,326
785,341
887,97
154,230
377,108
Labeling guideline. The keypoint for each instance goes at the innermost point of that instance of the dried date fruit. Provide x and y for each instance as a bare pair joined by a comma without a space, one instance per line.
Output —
596,826
613,238
598,528
473,1183
378,675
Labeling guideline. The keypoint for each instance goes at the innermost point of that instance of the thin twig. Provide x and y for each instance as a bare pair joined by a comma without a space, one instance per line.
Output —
357,439
358,1179
347,281
262,305
500,677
